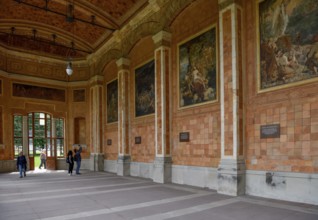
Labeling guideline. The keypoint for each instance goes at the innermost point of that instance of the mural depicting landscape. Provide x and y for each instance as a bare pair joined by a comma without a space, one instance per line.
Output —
288,32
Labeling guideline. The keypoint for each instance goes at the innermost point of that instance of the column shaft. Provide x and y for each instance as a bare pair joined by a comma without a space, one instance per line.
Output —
162,162
231,171
96,157
123,163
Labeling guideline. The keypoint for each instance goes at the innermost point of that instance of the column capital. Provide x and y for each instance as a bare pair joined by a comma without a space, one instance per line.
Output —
123,63
162,38
96,80
225,3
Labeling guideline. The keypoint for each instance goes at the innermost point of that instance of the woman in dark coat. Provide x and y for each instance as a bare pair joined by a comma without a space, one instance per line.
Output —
70,161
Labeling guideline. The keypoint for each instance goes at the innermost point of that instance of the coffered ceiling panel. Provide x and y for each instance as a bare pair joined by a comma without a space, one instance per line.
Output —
62,28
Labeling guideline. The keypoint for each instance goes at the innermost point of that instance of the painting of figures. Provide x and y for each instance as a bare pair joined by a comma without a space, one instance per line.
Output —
198,69
145,89
288,43
112,101
38,92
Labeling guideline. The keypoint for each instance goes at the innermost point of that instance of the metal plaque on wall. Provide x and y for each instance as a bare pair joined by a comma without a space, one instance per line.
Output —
270,131
184,137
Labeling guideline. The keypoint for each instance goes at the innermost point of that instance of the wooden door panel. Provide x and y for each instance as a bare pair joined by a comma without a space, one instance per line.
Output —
31,161
51,163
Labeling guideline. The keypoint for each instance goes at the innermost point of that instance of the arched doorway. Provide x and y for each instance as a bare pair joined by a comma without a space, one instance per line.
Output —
45,133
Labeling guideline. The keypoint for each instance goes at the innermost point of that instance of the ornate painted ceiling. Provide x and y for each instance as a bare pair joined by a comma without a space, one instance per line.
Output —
62,28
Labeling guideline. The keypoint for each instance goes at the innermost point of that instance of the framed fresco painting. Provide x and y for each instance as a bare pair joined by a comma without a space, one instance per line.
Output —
198,69
145,89
287,36
79,95
112,101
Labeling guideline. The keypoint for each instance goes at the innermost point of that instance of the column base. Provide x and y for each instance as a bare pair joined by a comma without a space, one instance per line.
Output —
96,162
231,177
123,165
162,170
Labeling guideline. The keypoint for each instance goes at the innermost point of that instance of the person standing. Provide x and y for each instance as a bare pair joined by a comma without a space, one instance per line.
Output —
78,159
43,159
21,164
70,161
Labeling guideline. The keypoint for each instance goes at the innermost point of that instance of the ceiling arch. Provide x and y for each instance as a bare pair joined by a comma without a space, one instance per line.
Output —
92,22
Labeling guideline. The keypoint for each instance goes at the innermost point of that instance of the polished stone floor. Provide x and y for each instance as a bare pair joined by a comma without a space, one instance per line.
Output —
99,195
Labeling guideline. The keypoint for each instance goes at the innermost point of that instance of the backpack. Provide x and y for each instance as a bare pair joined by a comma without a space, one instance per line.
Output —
67,160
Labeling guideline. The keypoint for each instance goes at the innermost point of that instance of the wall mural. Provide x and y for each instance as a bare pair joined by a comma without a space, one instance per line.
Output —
79,95
288,43
145,89
198,69
112,101
1,131
36,92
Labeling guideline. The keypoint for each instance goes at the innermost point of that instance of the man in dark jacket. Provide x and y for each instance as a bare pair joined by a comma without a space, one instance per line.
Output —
21,164
78,159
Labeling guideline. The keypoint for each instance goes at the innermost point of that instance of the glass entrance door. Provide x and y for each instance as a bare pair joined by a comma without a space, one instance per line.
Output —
40,139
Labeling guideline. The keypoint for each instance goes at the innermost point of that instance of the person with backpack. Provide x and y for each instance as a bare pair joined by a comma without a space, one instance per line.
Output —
78,159
70,161
21,164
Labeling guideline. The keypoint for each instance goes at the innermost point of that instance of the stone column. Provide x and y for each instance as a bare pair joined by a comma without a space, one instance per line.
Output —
25,137
53,135
162,162
96,105
231,170
123,162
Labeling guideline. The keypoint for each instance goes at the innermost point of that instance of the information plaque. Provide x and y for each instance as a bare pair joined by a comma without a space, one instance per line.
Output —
184,136
138,140
109,141
270,131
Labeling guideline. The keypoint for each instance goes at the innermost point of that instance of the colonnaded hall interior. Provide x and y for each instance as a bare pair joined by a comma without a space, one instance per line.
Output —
184,109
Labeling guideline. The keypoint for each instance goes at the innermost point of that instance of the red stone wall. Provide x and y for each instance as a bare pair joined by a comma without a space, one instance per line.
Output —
203,121
294,108
111,129
142,53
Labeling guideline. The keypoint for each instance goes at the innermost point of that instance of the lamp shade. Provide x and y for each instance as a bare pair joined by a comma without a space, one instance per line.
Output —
69,69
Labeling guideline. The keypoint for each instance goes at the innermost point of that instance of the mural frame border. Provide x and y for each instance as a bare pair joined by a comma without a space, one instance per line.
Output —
217,44
258,63
106,91
1,87
74,89
134,86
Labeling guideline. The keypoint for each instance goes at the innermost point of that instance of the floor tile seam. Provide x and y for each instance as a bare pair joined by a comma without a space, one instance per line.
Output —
75,194
125,208
190,210
34,182
70,189
281,206
186,188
